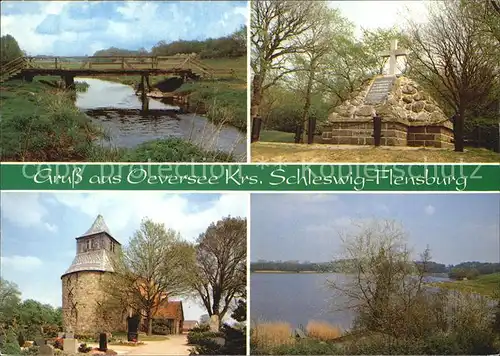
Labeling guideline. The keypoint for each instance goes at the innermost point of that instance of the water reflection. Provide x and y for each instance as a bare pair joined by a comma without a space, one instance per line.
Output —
120,111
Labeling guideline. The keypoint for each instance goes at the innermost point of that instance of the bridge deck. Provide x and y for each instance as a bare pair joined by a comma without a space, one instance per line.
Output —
99,72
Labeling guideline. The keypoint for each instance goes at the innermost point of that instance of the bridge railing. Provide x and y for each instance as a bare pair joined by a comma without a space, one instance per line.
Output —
187,62
13,67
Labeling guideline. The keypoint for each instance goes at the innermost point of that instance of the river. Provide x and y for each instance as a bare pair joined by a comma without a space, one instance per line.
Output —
115,107
297,298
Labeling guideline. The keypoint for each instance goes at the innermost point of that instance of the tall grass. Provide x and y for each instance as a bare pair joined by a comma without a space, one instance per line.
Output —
269,335
322,330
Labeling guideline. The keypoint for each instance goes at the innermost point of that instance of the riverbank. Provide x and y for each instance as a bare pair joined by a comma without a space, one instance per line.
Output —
222,100
487,285
40,122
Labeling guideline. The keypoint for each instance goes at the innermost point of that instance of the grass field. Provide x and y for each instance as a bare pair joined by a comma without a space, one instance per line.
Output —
487,285
290,152
276,136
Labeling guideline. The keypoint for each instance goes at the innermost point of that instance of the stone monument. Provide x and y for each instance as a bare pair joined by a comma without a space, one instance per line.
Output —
409,116
46,350
214,323
70,346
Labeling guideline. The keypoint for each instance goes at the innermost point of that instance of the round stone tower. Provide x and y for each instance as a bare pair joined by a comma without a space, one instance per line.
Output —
81,288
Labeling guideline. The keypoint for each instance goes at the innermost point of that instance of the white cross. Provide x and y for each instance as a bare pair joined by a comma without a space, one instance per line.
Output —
393,54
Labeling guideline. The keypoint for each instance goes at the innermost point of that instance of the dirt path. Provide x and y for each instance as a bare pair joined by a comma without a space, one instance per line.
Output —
174,345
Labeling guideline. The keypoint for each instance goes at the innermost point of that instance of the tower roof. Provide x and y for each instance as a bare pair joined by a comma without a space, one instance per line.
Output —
98,260
98,226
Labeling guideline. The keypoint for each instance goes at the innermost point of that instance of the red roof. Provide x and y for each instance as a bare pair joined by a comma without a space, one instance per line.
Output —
172,310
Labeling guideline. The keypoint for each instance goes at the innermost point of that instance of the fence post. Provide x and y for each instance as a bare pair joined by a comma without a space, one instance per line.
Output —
56,61
377,130
310,130
256,124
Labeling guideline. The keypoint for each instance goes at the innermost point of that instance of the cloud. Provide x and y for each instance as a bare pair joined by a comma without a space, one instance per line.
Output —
430,210
78,28
124,212
25,210
21,263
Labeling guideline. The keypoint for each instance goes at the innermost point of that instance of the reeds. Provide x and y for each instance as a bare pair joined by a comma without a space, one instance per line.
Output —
268,335
322,330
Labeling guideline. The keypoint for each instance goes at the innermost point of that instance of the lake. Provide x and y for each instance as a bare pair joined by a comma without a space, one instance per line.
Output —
297,298
115,107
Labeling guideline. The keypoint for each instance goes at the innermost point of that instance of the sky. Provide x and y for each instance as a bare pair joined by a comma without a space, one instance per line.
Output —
39,230
384,14
305,227
66,28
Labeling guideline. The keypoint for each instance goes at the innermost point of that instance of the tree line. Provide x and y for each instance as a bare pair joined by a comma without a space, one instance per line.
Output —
233,45
469,270
26,319
308,50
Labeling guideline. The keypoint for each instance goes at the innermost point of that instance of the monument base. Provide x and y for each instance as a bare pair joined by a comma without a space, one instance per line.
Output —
393,134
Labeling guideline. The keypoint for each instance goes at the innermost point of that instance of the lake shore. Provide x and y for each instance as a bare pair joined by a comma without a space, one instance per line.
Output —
289,272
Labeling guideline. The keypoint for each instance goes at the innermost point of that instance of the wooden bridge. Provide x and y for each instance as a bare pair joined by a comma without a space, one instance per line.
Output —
185,66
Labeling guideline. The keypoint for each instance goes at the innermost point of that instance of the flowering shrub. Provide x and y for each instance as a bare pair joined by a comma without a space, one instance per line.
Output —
58,343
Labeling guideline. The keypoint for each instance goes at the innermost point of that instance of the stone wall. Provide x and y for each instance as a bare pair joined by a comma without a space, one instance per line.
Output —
430,136
81,294
361,133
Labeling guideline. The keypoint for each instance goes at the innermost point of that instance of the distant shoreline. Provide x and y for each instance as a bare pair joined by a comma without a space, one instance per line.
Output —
288,272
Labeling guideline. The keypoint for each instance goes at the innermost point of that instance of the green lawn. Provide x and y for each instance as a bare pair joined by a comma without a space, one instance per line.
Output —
276,136
142,337
487,285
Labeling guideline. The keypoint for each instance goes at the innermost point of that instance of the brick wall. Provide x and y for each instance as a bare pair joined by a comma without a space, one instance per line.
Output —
430,136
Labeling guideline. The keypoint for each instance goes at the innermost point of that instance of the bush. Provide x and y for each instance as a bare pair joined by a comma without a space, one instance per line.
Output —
307,347
50,330
87,337
200,328
196,338
161,327
58,343
20,339
32,350
482,129
84,348
174,150
11,344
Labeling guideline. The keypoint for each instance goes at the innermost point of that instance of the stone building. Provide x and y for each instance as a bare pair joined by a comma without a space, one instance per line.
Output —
81,283
409,116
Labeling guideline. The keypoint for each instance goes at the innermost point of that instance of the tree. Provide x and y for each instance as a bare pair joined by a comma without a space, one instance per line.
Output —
9,49
388,293
10,299
453,57
153,268
220,273
11,345
319,40
275,29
